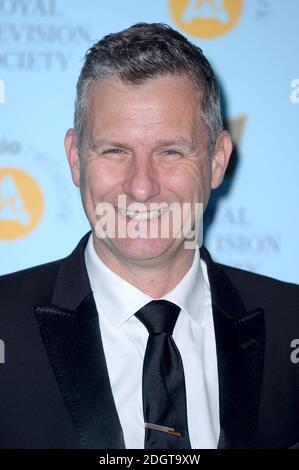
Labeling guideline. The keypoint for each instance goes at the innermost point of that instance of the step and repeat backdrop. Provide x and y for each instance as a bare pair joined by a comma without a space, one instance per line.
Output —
253,45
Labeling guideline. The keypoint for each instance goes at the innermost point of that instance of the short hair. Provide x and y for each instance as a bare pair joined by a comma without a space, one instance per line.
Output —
145,51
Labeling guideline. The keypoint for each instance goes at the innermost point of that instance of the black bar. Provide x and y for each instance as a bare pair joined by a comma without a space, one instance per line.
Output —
122,459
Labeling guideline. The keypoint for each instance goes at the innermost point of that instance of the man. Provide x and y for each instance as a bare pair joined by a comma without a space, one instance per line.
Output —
137,340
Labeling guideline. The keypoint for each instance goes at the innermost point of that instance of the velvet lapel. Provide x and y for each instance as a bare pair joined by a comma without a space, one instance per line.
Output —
240,354
71,334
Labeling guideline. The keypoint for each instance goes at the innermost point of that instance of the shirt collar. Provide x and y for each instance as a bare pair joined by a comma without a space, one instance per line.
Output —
117,299
189,293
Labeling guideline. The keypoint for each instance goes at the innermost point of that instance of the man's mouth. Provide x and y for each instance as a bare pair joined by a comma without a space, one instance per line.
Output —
143,215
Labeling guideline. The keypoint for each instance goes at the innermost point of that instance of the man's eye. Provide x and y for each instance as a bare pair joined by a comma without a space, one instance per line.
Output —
115,151
171,152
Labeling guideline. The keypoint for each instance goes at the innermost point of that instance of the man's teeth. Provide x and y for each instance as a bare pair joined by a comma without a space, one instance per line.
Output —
143,215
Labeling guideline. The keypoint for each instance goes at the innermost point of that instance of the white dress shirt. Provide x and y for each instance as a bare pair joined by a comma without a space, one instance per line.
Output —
124,340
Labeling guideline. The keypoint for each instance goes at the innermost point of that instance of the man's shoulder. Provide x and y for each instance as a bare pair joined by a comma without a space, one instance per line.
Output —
37,281
43,274
260,288
31,273
37,285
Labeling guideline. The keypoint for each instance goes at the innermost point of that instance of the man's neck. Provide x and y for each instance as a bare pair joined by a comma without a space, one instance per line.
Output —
154,279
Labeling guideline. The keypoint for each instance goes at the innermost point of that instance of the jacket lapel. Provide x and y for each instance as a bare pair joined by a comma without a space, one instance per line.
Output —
72,338
240,341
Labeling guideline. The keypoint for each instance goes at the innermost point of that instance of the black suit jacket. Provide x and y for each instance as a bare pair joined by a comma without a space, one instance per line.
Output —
54,384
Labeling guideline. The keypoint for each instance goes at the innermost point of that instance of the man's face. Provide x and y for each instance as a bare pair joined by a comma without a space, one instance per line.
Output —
147,143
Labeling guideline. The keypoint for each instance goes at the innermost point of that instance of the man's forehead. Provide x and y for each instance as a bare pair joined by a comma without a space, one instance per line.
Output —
180,84
164,100
179,141
158,111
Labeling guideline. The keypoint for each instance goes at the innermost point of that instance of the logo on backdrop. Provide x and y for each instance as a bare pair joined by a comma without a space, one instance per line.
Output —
37,35
25,199
21,203
206,18
235,238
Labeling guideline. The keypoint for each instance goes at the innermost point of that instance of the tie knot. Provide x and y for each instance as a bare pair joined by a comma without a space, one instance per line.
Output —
159,316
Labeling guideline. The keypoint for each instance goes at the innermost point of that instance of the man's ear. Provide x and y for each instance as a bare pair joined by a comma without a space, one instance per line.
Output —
72,152
222,153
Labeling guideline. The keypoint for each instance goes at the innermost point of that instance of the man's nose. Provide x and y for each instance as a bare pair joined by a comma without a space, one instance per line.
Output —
141,183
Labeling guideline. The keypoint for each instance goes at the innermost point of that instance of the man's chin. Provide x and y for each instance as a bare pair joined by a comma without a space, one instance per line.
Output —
142,248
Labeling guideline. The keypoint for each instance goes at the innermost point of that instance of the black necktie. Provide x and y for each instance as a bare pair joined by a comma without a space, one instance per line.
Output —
163,383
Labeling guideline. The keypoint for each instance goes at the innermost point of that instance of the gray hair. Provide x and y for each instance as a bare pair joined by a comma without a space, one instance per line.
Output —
144,51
